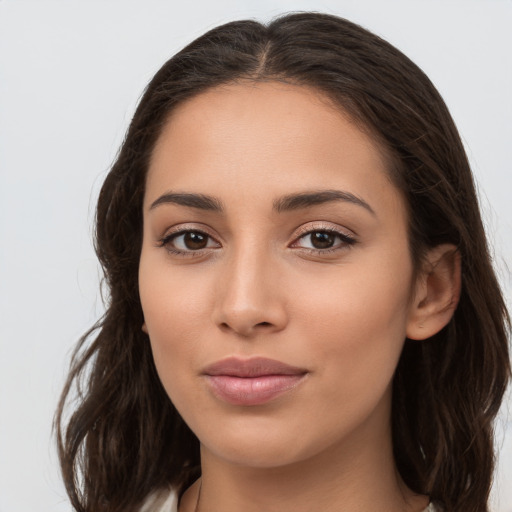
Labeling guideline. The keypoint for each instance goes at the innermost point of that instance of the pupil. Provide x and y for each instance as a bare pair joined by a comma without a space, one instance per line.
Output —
322,239
195,240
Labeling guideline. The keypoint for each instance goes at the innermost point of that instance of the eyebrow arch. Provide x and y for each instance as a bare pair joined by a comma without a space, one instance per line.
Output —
200,201
308,199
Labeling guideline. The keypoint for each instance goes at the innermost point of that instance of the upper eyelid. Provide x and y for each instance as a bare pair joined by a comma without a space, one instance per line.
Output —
322,226
185,228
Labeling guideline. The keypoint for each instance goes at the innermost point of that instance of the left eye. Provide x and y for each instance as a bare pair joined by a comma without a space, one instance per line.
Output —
322,240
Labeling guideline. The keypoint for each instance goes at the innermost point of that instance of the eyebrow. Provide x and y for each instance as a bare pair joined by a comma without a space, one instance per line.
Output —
308,199
200,201
283,204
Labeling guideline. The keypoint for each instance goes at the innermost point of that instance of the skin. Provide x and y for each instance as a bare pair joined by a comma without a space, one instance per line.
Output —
259,288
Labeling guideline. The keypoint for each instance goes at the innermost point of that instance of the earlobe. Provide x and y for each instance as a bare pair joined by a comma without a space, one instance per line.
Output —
144,328
437,292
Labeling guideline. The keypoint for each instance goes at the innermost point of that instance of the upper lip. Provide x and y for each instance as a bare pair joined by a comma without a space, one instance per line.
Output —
253,367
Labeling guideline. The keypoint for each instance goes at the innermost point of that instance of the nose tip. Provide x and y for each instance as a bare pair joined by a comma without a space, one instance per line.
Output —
250,302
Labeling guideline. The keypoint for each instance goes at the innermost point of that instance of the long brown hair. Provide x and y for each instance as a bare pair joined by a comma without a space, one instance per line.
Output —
124,438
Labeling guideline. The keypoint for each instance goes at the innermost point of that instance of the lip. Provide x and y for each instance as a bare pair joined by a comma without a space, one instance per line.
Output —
252,381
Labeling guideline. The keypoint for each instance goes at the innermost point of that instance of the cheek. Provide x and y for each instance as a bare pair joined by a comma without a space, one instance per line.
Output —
356,321
176,313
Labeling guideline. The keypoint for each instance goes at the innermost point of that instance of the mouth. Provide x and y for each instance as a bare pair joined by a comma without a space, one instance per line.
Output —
253,381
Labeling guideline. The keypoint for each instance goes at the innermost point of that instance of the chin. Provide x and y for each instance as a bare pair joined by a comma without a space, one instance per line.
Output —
260,443
260,454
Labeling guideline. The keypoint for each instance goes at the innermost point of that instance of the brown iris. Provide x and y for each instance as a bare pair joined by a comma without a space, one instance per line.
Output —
322,239
194,240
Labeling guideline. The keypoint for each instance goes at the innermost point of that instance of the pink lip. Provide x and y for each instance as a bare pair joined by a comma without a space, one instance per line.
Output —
251,381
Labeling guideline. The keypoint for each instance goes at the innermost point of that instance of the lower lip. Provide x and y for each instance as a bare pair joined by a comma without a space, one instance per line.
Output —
252,390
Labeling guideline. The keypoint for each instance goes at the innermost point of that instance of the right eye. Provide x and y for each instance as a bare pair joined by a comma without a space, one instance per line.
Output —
188,241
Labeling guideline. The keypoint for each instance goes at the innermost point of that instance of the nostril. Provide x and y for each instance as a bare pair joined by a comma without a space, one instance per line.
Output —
225,326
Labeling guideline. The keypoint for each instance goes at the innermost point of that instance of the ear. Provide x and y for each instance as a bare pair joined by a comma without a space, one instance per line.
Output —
144,328
437,292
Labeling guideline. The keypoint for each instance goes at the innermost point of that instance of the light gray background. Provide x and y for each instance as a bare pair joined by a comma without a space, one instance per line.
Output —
71,72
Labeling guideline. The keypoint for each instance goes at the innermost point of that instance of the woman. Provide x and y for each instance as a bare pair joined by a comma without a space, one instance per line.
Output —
303,314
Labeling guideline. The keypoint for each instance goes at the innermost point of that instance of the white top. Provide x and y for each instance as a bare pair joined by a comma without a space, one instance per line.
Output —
163,501
168,502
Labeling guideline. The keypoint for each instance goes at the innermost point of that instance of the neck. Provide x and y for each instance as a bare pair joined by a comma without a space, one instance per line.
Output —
357,475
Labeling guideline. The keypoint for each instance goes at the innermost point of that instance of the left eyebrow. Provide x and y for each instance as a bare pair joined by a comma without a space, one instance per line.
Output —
308,199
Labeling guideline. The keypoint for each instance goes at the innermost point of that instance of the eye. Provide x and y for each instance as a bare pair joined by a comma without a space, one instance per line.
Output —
187,241
323,240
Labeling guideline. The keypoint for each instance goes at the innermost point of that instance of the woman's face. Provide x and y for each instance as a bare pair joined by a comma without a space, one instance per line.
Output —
275,275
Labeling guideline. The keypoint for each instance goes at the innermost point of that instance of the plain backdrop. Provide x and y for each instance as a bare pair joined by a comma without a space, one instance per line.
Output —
71,72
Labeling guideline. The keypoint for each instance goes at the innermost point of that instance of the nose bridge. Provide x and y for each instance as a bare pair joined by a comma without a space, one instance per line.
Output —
248,299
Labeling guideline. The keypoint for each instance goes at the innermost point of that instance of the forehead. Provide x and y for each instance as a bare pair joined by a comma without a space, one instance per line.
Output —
275,113
270,137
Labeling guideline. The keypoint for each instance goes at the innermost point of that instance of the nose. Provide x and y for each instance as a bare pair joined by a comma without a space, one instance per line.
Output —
250,298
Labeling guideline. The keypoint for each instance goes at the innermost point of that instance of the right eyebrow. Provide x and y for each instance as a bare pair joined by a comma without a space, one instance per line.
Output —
200,201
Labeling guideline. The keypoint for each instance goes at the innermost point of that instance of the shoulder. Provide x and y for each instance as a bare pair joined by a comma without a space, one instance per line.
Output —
163,500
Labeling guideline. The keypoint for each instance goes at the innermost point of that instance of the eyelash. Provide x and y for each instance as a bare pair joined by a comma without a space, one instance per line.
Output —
346,241
168,239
